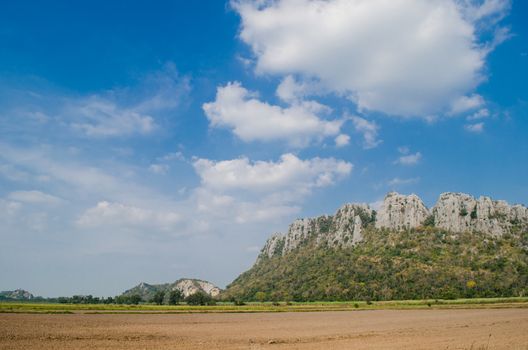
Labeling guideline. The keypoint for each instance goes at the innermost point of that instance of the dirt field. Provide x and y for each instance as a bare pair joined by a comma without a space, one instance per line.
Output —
381,329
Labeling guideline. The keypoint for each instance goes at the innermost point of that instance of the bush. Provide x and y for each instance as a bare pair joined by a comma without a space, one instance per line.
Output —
175,296
200,298
158,297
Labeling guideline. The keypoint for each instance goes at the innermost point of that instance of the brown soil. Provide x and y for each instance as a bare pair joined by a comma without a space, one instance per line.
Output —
383,329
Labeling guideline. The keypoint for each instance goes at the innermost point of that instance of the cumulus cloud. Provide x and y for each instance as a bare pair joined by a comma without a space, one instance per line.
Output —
263,176
400,57
369,130
262,190
253,120
112,214
476,128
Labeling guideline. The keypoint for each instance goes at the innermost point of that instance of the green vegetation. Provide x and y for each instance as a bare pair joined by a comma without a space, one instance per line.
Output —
175,296
200,298
158,297
229,307
423,263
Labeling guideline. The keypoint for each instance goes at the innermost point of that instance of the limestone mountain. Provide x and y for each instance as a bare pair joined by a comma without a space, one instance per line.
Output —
186,286
17,294
462,246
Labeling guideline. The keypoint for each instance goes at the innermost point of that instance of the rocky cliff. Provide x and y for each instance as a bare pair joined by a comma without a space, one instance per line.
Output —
342,229
456,212
400,212
460,212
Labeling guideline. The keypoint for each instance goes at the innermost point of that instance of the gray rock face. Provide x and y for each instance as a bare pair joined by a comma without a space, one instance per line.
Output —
343,229
456,212
399,212
459,212
17,294
192,286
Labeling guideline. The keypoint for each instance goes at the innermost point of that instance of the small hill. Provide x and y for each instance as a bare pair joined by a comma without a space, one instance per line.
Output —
186,286
17,294
462,247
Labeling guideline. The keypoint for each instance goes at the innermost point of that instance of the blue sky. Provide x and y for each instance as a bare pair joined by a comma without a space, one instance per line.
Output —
148,142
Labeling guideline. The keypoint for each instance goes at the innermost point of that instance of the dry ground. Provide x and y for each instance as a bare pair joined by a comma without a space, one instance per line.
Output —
379,329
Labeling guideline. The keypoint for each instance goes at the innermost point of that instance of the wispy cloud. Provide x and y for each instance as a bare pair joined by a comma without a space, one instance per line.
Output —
406,158
369,129
396,182
476,128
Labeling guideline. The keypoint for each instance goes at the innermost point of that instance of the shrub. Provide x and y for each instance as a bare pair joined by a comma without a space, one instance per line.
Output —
199,298
175,296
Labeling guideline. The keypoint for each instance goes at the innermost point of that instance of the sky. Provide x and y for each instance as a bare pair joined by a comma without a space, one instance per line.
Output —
151,141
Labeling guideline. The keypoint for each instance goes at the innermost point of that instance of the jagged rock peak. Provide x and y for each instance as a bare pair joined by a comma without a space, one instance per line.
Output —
461,212
456,212
401,211
344,228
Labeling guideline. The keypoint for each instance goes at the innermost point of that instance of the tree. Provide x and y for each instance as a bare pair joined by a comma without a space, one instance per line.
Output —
134,299
199,298
175,296
158,297
260,296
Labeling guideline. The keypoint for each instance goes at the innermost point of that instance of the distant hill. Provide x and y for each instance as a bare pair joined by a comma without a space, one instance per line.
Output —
185,285
17,294
462,247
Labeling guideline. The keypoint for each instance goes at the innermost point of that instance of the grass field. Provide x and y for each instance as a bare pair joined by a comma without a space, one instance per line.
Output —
29,307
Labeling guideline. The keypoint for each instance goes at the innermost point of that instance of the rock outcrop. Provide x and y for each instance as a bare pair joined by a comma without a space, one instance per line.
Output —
456,212
186,286
342,229
459,212
400,212
17,294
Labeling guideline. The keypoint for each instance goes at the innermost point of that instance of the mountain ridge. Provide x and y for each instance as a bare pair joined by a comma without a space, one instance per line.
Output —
453,211
187,286
461,247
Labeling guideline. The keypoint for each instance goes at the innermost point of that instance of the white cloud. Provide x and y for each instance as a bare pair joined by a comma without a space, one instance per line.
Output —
111,214
172,156
261,176
480,114
103,118
369,131
253,120
466,103
259,191
396,182
119,112
342,140
34,197
290,90
400,57
409,159
159,168
476,128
